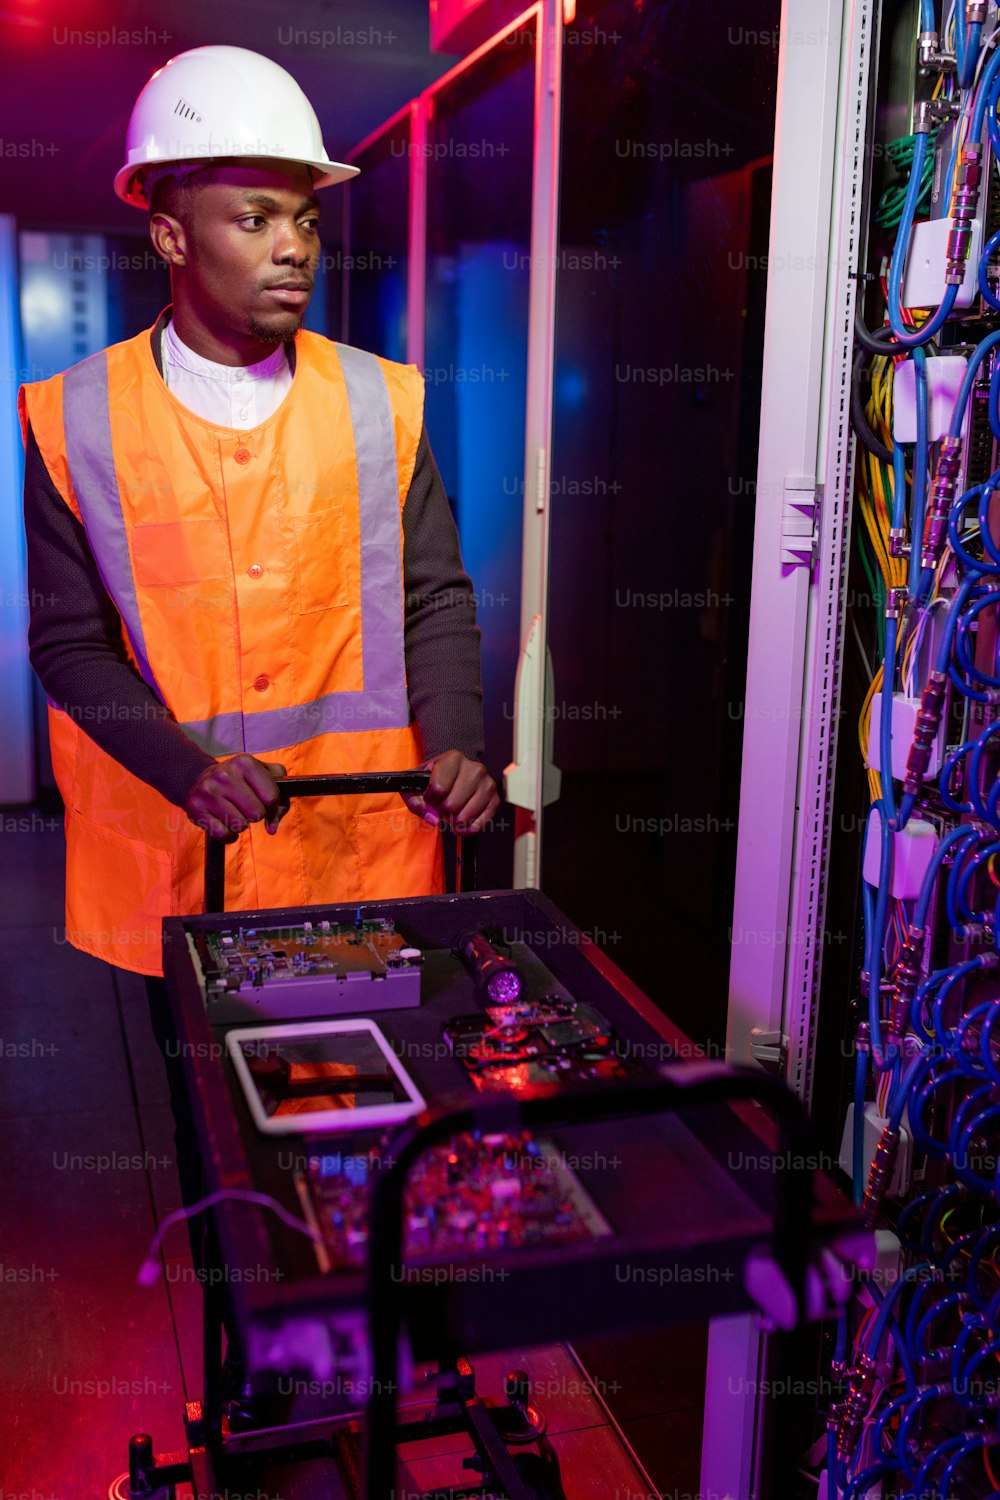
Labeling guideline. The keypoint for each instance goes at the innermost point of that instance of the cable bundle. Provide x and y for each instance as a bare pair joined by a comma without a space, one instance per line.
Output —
918,1352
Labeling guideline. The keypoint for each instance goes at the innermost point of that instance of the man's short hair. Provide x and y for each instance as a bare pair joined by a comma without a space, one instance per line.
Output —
171,191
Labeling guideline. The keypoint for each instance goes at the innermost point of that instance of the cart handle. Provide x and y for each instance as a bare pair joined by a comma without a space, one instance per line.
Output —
350,785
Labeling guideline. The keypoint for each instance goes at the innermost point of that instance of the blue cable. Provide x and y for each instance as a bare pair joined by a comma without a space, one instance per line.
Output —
906,1421
861,1484
978,695
968,873
943,849
878,1429
973,1324
992,244
942,1305
927,330
972,1441
833,1486
913,1207
858,1135
991,402
961,45
901,1093
898,487
951,977
985,530
944,1196
965,1050
958,913
976,763
958,1445
922,996
943,662
973,1180
944,781
868,918
923,1139
919,503
983,93
963,652
992,123
967,1105
957,537
976,358
885,717
985,1039
967,40
991,1232
961,1382
879,1061
962,1245
886,1322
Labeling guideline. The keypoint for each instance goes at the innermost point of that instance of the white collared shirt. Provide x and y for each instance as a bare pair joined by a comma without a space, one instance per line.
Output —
239,396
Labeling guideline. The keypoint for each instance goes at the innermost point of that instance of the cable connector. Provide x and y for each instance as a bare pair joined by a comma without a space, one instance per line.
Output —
964,207
927,43
941,498
975,12
896,602
931,58
923,117
905,987
925,732
859,1392
898,545
880,1175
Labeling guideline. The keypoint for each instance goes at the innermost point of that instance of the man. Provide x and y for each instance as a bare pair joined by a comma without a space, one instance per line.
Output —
254,566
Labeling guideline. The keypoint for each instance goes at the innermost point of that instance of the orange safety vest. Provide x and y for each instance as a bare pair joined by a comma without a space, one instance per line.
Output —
258,576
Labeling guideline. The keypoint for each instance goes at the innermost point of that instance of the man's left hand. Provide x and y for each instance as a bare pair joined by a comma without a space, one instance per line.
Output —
461,792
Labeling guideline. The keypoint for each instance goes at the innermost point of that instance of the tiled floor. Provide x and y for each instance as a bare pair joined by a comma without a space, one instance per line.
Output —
87,1356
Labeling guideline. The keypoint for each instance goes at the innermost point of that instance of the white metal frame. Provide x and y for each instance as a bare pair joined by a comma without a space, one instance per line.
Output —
799,571
531,781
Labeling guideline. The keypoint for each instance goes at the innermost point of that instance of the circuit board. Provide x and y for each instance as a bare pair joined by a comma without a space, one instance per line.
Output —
298,972
472,1194
553,1040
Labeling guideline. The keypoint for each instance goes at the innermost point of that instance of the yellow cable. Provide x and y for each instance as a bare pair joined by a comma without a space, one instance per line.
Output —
864,726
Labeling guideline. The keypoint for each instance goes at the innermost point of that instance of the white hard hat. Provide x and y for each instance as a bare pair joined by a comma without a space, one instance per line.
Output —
215,102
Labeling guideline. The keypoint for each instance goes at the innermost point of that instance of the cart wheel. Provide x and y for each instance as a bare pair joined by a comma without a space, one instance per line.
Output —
540,1476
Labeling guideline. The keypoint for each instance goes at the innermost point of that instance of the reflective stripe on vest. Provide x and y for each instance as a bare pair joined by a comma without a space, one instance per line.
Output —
382,703
87,420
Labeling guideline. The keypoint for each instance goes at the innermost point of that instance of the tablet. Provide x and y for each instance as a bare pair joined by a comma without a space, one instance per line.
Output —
321,1076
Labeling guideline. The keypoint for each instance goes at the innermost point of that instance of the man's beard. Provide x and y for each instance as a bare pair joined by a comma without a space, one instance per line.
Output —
264,329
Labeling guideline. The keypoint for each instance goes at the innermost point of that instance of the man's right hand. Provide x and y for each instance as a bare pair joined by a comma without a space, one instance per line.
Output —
233,793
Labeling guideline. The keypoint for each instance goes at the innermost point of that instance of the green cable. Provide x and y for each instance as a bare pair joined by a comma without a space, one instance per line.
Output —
900,154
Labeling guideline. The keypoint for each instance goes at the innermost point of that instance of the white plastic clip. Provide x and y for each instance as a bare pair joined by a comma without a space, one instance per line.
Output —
799,516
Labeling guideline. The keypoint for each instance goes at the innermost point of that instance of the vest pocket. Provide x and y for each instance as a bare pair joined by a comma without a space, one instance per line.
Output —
321,568
399,855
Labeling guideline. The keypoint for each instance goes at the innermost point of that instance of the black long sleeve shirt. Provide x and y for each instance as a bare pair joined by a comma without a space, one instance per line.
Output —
76,646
